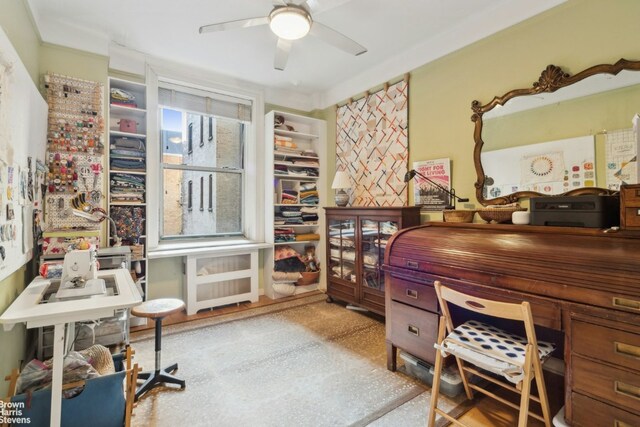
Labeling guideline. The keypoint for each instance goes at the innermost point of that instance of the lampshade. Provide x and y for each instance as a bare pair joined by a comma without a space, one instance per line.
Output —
290,23
341,180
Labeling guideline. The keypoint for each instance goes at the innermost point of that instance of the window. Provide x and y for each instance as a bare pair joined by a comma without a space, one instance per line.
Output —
203,137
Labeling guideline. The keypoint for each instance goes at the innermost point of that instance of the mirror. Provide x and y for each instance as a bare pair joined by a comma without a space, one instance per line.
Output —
559,114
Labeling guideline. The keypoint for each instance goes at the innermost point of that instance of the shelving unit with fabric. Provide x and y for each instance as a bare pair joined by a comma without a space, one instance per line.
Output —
128,172
295,155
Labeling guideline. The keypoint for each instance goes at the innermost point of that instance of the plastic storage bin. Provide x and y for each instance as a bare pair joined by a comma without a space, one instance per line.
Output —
101,404
450,382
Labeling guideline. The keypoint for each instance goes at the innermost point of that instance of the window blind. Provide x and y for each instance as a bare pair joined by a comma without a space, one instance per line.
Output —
208,103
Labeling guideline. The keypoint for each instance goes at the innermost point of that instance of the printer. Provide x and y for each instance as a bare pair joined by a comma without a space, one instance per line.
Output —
594,211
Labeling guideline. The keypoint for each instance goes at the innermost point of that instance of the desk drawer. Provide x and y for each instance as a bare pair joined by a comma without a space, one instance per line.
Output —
589,412
631,216
415,294
613,385
630,195
413,330
611,345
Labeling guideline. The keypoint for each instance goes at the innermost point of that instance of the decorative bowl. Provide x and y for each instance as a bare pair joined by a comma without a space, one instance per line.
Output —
458,215
499,215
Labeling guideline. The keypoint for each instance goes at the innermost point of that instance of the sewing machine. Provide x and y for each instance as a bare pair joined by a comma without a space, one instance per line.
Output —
80,275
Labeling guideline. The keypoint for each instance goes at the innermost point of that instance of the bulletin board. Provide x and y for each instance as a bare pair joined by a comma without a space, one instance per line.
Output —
552,167
23,130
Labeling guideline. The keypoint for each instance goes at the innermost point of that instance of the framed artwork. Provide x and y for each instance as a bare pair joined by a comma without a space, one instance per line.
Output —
427,194
372,145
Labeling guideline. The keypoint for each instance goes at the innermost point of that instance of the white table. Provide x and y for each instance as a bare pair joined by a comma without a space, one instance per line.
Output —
27,308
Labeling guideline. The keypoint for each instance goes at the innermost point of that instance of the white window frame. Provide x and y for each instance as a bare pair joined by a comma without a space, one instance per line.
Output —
254,172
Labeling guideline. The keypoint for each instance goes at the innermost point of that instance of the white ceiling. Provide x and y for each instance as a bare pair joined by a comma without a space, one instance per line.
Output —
400,35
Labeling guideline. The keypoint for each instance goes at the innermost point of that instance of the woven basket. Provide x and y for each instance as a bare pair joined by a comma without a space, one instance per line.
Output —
499,215
308,278
458,215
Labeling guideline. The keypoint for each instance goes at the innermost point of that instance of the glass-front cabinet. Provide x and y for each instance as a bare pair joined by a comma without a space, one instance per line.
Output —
357,238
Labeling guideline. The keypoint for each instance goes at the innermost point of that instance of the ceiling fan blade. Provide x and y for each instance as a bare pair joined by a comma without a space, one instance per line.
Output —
319,6
231,25
282,54
336,39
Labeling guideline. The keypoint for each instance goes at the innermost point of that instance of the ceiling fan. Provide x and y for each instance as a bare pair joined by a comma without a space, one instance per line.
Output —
290,21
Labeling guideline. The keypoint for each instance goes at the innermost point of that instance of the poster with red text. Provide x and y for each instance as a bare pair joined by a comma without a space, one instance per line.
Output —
431,195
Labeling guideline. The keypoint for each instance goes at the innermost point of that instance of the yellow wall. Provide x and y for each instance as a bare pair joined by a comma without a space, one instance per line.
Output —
15,21
574,36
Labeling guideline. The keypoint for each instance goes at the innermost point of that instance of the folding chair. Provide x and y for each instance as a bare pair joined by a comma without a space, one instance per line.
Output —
517,359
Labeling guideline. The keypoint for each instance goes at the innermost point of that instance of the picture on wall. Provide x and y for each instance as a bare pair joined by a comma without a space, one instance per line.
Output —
427,194
553,167
621,157
372,146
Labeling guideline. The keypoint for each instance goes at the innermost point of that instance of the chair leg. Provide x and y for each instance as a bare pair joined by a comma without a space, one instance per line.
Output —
435,388
526,388
542,391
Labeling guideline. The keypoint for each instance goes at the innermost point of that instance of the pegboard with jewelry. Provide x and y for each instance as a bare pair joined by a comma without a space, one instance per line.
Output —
75,152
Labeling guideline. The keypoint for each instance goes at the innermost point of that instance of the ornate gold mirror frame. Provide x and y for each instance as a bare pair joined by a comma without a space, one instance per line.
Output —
551,79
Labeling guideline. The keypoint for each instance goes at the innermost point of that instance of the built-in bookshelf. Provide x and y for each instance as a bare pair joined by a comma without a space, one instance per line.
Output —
295,192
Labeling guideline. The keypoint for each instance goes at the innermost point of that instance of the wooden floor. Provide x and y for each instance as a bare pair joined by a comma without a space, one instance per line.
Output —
486,413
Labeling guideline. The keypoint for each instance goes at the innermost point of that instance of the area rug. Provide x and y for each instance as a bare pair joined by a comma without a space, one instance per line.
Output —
300,363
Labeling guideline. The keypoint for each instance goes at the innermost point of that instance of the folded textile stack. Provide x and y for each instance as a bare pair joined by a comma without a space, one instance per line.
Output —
284,142
309,153
127,188
289,197
129,222
307,236
306,162
309,215
280,170
132,165
288,260
284,235
299,171
129,147
285,215
309,194
122,98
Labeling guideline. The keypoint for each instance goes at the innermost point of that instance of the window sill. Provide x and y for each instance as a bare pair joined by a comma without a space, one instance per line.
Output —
230,247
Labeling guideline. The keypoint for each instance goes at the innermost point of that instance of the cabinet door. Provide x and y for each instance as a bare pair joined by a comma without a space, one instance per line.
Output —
343,248
374,235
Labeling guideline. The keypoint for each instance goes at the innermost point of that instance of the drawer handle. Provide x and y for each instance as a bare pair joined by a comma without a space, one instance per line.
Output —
412,264
629,304
413,330
627,390
618,423
626,350
411,293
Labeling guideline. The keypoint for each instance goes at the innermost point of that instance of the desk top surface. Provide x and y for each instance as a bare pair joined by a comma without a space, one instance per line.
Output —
27,308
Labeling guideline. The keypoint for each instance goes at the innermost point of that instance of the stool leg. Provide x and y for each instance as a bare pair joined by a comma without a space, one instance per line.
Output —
159,375
158,342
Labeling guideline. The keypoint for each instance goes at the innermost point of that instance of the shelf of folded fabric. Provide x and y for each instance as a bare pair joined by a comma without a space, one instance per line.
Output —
294,134
127,203
296,155
133,172
298,177
126,134
295,242
134,112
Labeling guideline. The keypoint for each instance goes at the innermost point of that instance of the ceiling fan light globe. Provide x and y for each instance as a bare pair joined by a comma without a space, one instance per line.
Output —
290,23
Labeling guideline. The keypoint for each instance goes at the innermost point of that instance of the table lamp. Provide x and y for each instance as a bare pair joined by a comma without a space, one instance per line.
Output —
340,182
99,216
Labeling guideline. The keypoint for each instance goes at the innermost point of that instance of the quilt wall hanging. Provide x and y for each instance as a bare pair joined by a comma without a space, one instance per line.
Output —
372,145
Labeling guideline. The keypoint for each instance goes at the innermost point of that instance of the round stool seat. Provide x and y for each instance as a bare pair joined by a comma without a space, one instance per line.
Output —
158,308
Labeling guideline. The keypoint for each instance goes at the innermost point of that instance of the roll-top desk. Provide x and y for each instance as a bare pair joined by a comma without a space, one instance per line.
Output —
583,282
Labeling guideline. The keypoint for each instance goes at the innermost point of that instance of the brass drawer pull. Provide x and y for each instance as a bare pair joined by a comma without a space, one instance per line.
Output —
626,349
627,390
617,423
411,293
629,304
413,264
413,330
